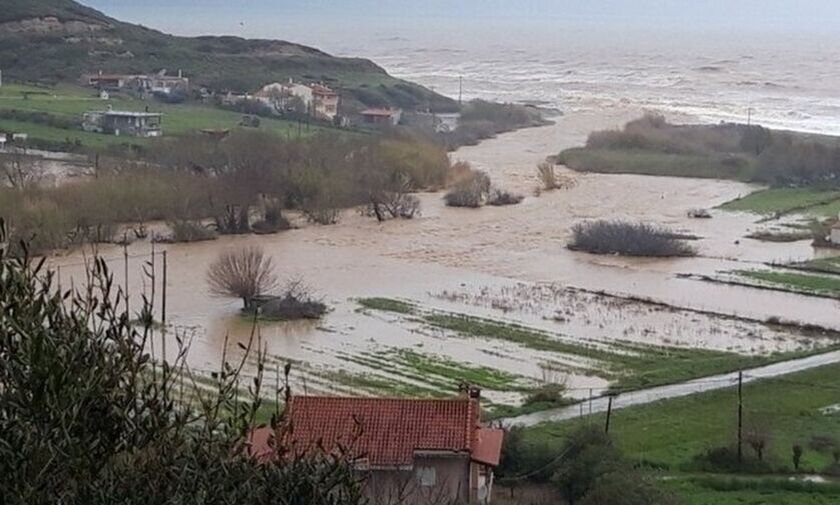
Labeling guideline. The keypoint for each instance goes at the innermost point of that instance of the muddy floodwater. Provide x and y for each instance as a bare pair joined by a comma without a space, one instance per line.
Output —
505,263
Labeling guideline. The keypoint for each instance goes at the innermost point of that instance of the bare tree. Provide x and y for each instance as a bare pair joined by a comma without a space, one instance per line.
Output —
243,273
20,170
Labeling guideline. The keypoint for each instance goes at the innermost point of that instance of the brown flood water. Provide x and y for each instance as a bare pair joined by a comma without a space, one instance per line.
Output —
464,252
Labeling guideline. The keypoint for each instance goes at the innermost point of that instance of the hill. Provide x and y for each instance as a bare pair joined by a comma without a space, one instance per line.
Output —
53,41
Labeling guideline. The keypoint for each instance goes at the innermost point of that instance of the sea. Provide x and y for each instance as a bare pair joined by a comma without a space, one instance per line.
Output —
780,80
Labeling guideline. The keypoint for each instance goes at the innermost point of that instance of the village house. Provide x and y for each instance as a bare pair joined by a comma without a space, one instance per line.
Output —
834,236
317,100
413,451
379,117
155,83
136,124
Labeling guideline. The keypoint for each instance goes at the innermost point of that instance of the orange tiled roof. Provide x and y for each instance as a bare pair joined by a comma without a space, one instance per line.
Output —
386,432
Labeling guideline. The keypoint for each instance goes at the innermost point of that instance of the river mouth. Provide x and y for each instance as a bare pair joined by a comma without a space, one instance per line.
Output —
508,264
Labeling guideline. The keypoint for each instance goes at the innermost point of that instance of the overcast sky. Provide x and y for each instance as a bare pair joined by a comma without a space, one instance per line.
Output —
274,18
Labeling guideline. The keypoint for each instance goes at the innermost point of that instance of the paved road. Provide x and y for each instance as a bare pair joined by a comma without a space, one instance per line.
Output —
675,390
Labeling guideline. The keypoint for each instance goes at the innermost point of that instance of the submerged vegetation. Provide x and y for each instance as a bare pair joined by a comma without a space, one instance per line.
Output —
628,239
240,183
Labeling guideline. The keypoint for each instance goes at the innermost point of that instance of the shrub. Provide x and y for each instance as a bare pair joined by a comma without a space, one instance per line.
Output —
295,302
470,192
618,237
189,231
499,197
725,460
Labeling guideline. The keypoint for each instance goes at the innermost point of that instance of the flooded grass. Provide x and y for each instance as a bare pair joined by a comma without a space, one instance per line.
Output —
780,201
628,365
821,265
825,285
387,305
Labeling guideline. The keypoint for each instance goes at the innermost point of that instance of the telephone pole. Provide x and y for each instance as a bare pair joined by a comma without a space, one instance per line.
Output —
460,90
609,414
740,414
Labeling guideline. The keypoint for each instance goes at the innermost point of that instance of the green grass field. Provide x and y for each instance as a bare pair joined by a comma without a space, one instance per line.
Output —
779,201
825,265
71,102
828,285
668,435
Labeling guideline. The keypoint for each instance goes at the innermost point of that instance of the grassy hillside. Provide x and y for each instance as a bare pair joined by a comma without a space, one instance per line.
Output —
52,41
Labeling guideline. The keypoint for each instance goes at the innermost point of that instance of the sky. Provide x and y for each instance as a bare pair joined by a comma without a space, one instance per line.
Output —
276,18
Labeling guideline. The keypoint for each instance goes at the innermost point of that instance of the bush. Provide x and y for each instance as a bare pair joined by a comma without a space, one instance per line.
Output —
499,197
189,231
470,192
617,237
296,302
725,460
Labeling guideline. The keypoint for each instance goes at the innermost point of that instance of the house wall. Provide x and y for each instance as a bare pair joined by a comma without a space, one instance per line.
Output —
451,484
835,236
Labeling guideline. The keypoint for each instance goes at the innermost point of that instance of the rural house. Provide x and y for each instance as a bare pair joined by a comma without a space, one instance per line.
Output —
317,100
381,116
834,236
414,451
136,124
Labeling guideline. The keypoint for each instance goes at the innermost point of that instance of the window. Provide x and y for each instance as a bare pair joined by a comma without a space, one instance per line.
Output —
426,476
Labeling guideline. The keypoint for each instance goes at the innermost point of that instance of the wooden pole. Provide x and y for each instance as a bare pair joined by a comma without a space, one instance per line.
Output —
740,415
125,273
163,292
609,414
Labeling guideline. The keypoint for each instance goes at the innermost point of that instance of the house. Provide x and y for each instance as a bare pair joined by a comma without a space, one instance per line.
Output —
136,124
157,83
315,99
110,82
834,236
381,116
412,451
324,102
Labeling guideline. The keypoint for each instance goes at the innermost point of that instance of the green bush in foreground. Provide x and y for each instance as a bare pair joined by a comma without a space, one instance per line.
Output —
87,416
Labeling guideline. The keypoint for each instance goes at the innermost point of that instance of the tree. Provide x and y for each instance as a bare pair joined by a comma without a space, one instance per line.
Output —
243,273
758,436
587,455
87,415
20,170
797,456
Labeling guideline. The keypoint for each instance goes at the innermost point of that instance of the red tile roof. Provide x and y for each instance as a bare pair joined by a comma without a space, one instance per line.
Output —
320,89
385,432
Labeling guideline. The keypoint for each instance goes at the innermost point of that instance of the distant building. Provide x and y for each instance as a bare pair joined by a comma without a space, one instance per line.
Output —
412,451
135,124
381,116
324,102
834,237
317,100
155,83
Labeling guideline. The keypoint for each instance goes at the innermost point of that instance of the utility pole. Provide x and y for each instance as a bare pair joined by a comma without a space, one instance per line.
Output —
460,90
125,272
163,292
609,414
740,414
749,116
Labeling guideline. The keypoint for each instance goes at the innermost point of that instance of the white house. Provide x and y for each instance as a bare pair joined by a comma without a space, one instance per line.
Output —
834,238
318,100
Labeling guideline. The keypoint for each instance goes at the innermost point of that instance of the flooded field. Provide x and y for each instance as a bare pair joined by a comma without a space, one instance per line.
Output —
492,296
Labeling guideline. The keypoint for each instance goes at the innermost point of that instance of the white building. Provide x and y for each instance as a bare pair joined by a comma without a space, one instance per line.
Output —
317,100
